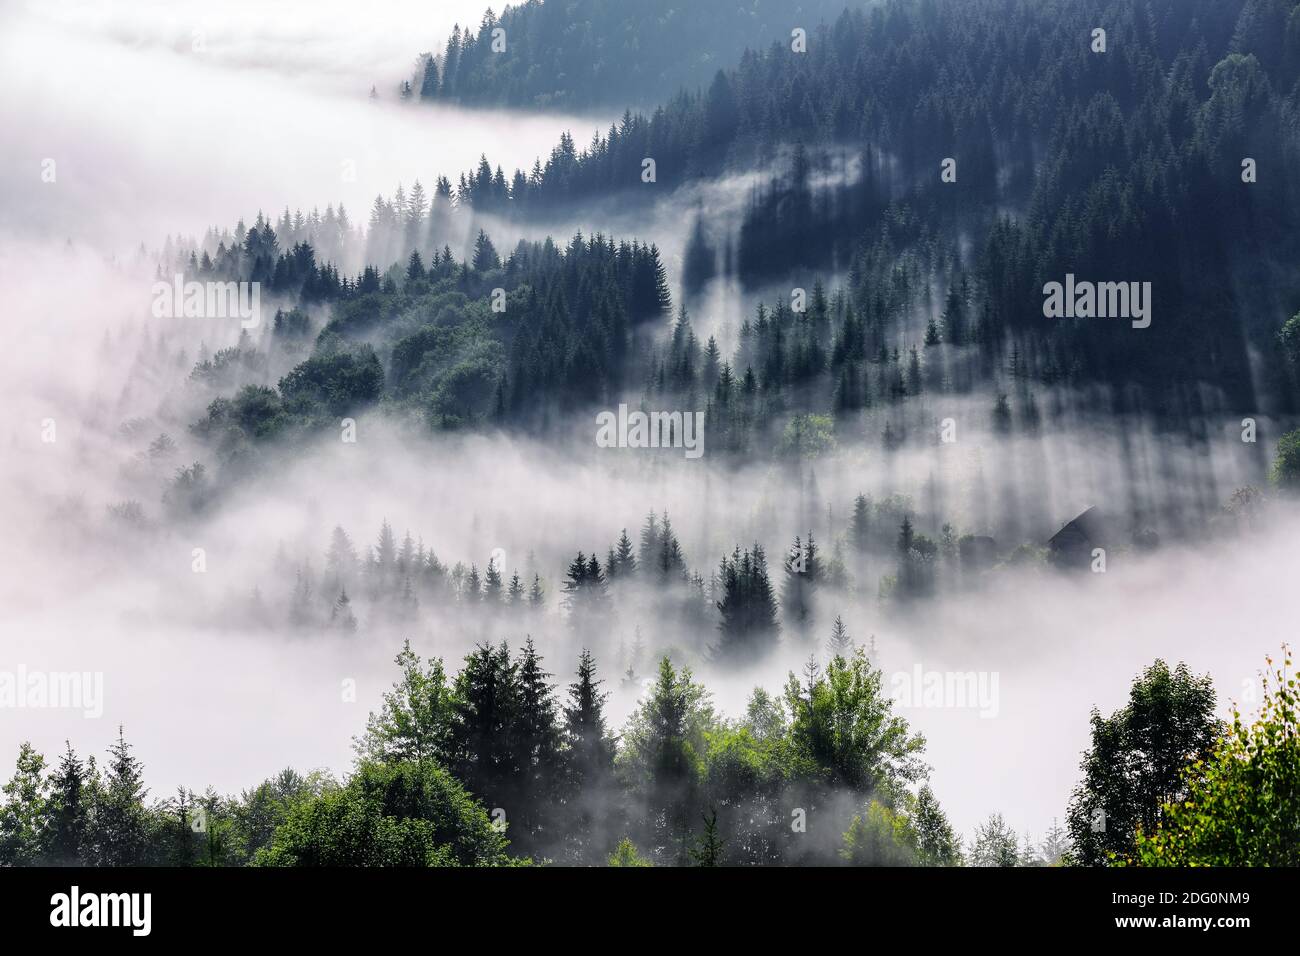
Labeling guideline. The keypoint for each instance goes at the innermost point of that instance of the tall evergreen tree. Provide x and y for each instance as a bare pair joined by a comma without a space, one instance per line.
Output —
592,797
839,644
68,808
749,627
119,830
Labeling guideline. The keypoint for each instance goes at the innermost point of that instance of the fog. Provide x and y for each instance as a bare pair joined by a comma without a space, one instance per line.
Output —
151,140
151,137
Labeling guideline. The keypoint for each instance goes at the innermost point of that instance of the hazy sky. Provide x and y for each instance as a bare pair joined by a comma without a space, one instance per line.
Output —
151,136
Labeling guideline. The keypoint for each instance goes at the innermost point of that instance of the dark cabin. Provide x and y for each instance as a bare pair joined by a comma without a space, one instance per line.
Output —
1072,546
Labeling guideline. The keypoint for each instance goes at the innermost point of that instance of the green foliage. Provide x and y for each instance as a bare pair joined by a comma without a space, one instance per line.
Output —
1289,338
23,812
808,436
588,54
625,854
831,750
748,628
397,814
339,380
662,760
1241,798
994,844
1135,764
843,725
120,825
590,786
708,846
69,808
259,812
415,720
936,844
880,837
1286,467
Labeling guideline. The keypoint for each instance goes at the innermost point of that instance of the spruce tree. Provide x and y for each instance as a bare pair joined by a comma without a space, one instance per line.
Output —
119,830
493,587
67,811
589,786
839,644
537,739
860,524
624,556
341,617
749,627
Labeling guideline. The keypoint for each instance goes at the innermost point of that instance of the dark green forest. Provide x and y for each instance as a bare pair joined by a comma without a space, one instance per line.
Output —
1125,164
584,53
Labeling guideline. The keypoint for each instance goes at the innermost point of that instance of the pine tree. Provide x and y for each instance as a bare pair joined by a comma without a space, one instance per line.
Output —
670,562
650,542
485,254
414,267
839,644
860,524
341,616
1055,845
624,557
575,580
302,612
931,333
803,574
385,557
954,317
749,627
591,748
994,844
1002,415
935,842
340,559
485,706
119,831
473,590
492,585
66,826
663,743
708,847
537,739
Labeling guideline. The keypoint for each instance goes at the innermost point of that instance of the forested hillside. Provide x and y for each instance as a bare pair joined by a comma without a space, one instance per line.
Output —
1120,164
983,317
581,54
1127,161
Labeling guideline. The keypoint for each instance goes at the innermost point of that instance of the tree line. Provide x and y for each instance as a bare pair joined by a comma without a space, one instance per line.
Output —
495,766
